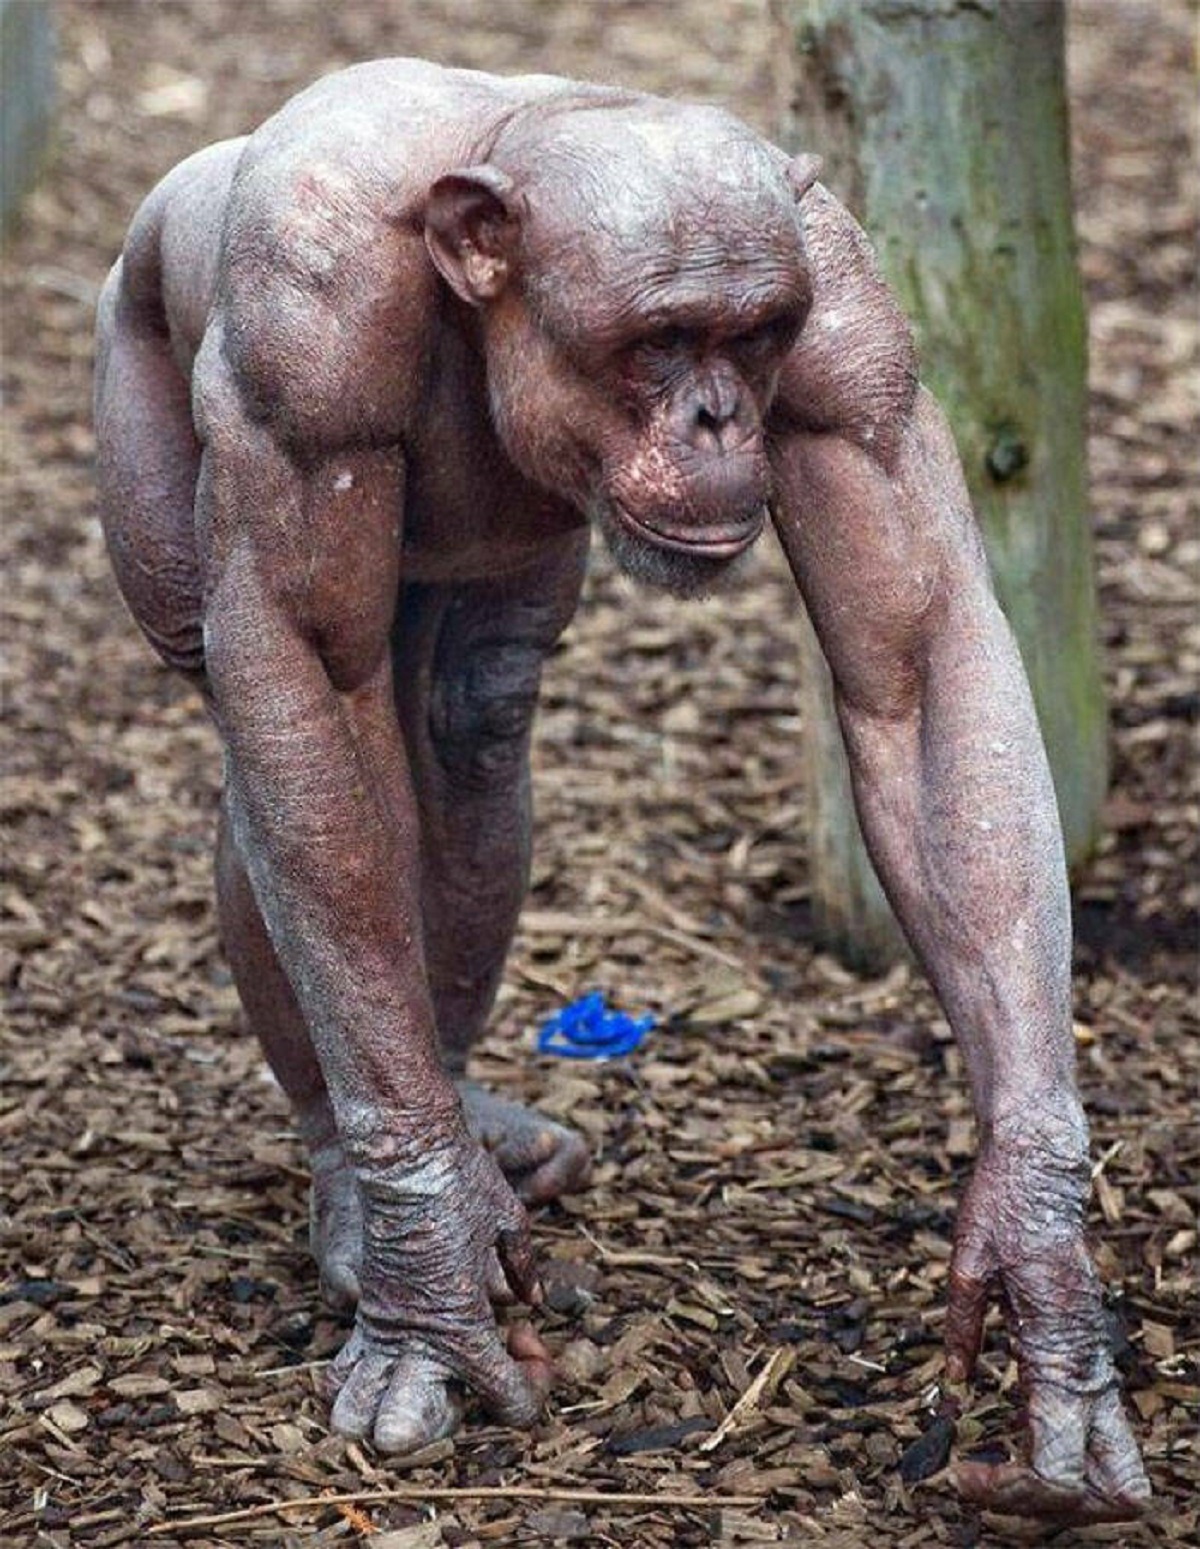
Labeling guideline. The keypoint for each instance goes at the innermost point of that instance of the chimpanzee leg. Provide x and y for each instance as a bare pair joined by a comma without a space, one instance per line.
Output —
468,662
335,1214
147,461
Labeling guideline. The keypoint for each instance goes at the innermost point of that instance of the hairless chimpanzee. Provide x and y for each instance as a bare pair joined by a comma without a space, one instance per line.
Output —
366,378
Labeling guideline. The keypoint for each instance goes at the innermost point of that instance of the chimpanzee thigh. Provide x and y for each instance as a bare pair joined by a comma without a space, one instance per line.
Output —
467,666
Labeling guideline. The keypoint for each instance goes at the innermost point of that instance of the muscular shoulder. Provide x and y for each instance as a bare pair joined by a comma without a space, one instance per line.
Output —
170,251
322,294
327,296
853,371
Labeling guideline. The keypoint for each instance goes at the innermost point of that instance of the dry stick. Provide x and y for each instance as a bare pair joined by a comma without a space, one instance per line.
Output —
456,1493
697,947
775,1369
619,1258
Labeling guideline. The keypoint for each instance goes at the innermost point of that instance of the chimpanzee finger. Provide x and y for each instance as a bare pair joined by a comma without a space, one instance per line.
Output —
532,1356
1016,1491
565,1171
343,1364
964,1321
510,1388
419,1405
1058,1421
358,1398
500,1293
514,1248
1114,1464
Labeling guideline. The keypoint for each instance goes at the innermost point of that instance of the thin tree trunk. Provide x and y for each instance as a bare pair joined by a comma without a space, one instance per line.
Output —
943,125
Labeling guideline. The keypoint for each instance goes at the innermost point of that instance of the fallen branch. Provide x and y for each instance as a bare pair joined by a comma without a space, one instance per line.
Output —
424,1495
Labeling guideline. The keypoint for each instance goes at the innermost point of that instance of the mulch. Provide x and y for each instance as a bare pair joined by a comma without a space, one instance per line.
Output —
747,1306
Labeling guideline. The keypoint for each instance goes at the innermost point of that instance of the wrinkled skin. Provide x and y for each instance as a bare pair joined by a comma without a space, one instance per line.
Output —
365,380
1019,1227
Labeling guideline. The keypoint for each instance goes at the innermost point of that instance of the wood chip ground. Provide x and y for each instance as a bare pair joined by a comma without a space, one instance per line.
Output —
747,1306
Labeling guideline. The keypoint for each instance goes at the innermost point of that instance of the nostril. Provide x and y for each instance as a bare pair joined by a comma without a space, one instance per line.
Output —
717,425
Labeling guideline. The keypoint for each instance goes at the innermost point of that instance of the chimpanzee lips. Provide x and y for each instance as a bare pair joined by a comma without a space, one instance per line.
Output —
713,540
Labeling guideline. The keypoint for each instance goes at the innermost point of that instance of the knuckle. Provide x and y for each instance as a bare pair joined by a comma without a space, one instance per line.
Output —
1136,1486
521,1405
1060,1465
513,1236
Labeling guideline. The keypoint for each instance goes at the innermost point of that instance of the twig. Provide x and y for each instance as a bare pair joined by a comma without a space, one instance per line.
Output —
621,1258
871,1366
466,1493
1102,1162
698,948
299,1366
552,922
549,922
772,1374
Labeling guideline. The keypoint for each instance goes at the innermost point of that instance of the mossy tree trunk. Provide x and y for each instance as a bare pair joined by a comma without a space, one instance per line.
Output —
943,125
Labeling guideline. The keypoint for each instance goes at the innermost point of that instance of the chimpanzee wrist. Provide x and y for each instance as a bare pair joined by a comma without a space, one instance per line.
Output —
1035,1176
1049,1125
395,1142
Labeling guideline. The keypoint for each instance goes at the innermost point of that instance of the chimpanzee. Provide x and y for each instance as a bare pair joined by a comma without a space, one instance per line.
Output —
367,379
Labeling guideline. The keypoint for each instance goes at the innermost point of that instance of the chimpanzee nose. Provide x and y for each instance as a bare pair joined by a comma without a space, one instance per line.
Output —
717,418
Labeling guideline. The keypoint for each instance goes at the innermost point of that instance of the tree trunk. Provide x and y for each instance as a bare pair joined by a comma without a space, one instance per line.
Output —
26,97
943,126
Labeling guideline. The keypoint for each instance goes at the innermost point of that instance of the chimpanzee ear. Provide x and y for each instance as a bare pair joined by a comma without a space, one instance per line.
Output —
470,229
803,171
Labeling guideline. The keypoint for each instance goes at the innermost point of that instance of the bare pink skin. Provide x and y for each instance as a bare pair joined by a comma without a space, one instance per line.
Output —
365,379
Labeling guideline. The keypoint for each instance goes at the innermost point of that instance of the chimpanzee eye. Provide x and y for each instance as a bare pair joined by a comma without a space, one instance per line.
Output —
775,334
669,340
661,354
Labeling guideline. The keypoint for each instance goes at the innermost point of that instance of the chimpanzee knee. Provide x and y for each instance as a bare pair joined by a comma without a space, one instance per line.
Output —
481,711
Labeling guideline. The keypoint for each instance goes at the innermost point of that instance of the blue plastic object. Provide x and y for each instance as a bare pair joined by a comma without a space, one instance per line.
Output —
588,1030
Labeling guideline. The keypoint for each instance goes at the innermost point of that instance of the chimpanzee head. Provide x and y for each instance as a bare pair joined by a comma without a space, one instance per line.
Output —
640,275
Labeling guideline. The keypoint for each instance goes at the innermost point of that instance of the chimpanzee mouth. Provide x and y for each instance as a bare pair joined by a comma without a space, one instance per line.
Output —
696,566
719,540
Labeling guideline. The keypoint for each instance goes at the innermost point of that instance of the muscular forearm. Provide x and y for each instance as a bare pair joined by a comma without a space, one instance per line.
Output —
959,813
331,854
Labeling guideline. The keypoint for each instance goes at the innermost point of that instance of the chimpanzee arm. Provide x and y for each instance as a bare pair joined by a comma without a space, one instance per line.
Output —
958,811
301,570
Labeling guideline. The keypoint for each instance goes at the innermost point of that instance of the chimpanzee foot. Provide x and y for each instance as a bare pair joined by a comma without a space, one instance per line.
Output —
335,1225
540,1159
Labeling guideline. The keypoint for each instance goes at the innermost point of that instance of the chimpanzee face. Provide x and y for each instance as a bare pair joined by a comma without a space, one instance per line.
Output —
635,327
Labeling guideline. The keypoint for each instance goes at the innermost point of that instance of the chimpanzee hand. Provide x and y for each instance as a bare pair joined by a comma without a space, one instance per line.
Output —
1020,1229
443,1240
